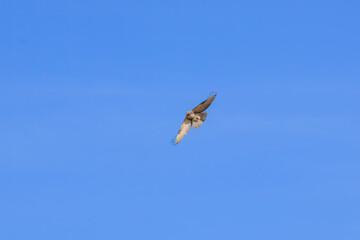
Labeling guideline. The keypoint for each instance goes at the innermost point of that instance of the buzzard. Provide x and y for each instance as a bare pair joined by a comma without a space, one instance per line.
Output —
195,117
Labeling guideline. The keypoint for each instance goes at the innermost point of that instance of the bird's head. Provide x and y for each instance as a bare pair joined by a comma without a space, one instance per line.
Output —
190,114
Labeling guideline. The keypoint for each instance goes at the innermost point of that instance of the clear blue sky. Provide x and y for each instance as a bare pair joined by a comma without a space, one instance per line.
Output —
91,92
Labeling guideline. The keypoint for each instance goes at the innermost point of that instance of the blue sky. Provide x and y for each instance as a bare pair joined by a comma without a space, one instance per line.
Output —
91,92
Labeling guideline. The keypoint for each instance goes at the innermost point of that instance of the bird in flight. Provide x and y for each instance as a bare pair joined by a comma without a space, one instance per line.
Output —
195,118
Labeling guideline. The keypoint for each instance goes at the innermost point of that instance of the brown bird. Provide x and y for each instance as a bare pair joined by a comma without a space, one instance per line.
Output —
195,117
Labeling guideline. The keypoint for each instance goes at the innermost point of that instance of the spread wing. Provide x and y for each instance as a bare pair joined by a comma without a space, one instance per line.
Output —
205,104
184,129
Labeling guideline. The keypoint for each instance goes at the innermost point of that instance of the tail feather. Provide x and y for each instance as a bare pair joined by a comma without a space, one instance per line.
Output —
197,123
203,116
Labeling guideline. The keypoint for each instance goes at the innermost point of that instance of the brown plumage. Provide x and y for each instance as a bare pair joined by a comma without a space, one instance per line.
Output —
195,117
204,105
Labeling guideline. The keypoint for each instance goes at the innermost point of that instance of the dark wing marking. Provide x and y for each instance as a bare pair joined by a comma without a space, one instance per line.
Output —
205,104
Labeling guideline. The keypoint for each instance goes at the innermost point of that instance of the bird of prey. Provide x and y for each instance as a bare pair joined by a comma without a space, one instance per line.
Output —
195,117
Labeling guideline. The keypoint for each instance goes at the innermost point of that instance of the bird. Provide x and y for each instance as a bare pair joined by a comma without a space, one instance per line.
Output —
194,118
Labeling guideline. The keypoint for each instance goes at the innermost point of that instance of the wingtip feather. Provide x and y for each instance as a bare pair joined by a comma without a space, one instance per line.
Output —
212,94
173,142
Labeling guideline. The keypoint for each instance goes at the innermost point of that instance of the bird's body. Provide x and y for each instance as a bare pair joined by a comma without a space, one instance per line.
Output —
190,115
195,118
